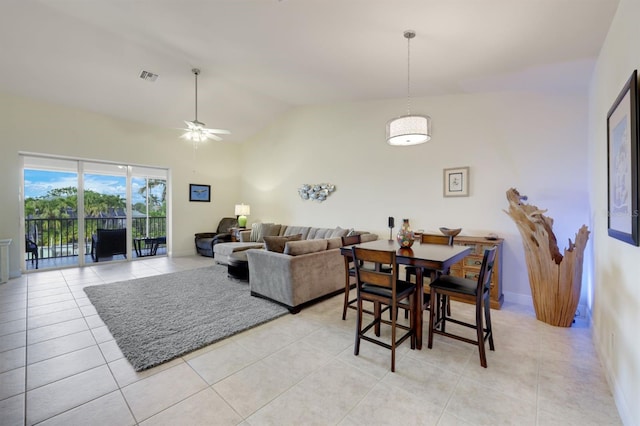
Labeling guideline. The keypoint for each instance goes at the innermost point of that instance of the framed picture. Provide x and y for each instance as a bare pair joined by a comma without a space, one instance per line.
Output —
199,192
622,164
456,182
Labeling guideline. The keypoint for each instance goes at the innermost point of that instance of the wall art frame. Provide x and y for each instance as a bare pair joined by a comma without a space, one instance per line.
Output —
200,193
456,182
622,164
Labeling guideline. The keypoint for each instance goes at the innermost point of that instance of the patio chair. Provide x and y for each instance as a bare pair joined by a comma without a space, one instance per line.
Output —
31,247
108,243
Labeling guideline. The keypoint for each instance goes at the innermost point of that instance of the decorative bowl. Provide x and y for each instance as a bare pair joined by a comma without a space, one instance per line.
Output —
450,232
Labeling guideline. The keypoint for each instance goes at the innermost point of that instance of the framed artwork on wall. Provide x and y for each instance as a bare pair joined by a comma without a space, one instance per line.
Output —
456,182
199,192
622,164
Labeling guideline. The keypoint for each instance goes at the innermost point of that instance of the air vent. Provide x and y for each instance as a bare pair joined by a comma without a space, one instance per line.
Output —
148,76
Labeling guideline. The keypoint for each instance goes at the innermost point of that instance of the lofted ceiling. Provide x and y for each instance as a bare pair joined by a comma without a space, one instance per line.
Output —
259,58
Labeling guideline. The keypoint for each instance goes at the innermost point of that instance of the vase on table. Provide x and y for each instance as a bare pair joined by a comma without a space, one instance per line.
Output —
405,234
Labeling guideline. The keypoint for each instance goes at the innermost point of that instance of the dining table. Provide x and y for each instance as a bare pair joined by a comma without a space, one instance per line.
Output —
432,257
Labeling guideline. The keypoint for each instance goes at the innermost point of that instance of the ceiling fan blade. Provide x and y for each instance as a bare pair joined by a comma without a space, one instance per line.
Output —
219,131
214,137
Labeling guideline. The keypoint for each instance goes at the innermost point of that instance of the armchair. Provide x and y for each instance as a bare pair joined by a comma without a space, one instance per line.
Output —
206,240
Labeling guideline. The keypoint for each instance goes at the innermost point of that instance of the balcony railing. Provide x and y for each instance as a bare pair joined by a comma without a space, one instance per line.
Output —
59,237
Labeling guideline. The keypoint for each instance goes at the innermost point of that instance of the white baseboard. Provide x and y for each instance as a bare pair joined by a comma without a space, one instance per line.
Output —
525,299
520,299
618,395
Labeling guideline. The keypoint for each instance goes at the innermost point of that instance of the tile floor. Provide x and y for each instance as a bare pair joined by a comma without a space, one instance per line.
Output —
59,365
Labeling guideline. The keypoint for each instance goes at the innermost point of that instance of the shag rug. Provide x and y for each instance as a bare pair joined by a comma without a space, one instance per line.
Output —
156,319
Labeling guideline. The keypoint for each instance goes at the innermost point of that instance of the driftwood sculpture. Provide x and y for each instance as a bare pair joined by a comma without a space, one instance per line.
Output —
555,279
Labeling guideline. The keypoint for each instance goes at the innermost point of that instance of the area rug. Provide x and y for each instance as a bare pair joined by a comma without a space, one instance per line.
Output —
156,319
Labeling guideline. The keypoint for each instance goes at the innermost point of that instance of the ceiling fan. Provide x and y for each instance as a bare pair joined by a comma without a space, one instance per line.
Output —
195,130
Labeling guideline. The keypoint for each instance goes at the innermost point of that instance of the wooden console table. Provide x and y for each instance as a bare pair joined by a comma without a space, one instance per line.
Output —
469,267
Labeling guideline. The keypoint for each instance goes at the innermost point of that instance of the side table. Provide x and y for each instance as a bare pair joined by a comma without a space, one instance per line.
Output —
235,233
147,246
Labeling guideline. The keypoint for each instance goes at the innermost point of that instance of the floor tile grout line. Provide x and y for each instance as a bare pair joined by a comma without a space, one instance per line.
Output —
538,360
95,344
26,390
121,388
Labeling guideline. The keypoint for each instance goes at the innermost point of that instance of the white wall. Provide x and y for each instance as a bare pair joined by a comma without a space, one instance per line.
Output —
32,126
616,295
533,142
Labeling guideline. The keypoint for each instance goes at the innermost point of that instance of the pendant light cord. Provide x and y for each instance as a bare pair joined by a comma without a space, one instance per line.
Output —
408,74
409,34
196,72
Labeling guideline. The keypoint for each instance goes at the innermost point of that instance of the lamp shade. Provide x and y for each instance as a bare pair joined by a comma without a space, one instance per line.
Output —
243,210
409,130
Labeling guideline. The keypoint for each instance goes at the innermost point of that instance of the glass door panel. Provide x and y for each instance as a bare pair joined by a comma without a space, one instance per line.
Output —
105,211
149,210
50,213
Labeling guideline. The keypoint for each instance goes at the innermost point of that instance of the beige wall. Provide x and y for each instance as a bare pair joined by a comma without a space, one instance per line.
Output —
32,126
534,142
616,295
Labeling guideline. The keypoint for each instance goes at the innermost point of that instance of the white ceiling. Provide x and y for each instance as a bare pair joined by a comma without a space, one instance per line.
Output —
259,58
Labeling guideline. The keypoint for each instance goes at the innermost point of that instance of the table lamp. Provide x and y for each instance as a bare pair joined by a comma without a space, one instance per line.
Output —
242,211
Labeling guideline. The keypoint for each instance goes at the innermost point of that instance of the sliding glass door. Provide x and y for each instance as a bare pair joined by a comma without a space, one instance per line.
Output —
123,211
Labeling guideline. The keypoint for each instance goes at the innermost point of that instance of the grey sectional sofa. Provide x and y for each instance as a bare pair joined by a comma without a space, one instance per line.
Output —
306,266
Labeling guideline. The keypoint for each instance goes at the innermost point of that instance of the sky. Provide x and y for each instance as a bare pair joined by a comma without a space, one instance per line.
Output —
38,183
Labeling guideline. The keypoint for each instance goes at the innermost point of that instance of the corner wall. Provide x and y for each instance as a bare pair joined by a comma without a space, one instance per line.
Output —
616,295
32,126
533,142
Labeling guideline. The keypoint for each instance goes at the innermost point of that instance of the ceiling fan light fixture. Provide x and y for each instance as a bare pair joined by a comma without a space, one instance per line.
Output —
409,129
195,131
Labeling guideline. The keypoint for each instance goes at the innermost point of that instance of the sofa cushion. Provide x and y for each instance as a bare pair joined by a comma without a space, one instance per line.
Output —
338,233
292,230
274,243
326,233
319,233
333,243
297,248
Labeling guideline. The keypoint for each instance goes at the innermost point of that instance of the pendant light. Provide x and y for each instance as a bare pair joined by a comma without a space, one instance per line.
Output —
409,129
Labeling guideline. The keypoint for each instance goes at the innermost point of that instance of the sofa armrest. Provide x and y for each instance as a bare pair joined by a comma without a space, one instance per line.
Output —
223,237
364,238
293,280
205,235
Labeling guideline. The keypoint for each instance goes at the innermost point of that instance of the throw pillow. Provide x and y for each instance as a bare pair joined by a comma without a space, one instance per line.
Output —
334,243
276,244
271,230
297,248
338,232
